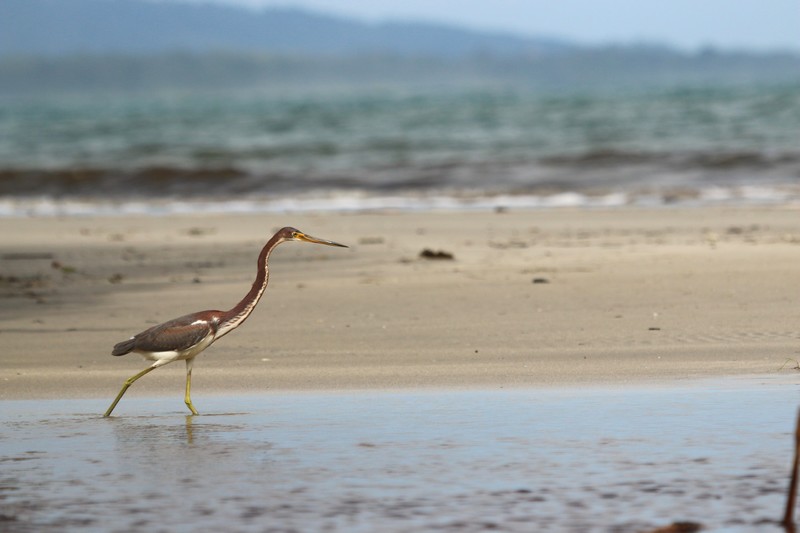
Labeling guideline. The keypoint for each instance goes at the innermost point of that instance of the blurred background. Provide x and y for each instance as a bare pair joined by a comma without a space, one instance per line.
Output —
145,106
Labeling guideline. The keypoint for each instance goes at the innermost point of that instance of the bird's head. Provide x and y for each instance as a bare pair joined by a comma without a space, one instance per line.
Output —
294,234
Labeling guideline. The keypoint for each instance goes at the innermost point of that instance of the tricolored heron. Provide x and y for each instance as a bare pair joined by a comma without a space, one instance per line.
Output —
183,338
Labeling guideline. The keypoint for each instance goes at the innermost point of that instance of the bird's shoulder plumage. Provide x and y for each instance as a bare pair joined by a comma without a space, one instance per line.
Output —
174,335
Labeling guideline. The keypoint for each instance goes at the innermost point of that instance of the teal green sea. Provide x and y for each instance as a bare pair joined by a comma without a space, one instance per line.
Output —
230,145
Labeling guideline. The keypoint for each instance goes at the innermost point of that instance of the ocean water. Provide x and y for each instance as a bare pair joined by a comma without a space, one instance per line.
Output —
385,148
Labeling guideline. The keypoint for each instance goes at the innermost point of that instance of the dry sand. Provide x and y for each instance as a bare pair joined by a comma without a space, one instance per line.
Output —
625,296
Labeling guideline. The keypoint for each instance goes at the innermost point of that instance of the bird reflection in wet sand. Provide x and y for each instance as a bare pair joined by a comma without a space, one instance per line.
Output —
189,431
183,338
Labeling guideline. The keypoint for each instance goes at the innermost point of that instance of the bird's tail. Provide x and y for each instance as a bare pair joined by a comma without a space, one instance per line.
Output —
121,348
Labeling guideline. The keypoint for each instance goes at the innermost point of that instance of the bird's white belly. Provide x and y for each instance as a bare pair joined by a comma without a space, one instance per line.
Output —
177,355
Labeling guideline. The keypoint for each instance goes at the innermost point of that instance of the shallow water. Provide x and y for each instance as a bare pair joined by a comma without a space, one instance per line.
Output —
516,460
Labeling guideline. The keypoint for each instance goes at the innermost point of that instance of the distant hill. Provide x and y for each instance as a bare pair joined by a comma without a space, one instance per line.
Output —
64,27
131,45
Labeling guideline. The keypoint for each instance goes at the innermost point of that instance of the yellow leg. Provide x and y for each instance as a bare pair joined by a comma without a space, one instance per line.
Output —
125,386
188,398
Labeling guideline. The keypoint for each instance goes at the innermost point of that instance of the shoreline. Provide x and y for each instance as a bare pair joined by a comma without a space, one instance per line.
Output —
624,296
778,195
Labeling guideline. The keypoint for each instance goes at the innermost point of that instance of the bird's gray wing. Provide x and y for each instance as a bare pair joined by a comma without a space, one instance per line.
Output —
178,334
175,337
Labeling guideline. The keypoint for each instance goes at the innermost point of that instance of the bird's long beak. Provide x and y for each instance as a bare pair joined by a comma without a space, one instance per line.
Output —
308,238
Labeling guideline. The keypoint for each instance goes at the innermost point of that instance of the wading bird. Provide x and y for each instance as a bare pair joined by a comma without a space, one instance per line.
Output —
183,338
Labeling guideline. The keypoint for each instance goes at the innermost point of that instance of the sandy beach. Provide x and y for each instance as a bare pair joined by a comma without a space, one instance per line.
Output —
530,298
566,370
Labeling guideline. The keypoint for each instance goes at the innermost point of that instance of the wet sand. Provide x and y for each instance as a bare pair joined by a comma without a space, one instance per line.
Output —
554,372
715,452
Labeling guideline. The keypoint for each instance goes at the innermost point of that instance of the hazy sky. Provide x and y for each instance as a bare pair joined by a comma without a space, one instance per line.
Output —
759,24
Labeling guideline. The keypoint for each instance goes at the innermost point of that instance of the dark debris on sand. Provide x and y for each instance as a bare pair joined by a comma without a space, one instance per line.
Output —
427,253
678,527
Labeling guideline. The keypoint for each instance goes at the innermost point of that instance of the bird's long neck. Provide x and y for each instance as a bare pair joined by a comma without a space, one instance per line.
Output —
234,317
